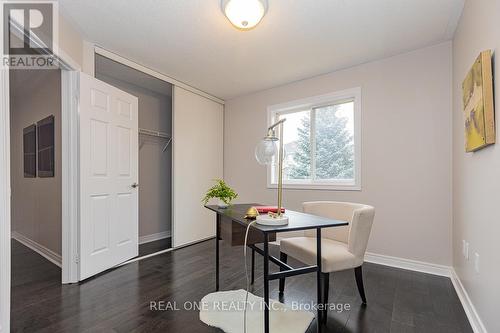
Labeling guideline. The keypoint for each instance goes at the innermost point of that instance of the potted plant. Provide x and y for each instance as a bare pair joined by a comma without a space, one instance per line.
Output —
220,191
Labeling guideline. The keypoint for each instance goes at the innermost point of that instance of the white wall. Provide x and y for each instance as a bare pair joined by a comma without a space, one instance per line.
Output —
70,40
406,150
36,202
476,180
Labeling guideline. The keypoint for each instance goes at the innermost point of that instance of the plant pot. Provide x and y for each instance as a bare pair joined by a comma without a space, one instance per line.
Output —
222,205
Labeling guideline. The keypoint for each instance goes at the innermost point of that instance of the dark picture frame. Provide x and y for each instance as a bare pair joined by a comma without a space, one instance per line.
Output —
29,151
46,147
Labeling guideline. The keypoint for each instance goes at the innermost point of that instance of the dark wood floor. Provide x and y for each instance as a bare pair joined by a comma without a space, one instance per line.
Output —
155,246
118,301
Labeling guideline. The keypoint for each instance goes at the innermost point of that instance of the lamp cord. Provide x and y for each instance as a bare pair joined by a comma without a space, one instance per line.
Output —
248,280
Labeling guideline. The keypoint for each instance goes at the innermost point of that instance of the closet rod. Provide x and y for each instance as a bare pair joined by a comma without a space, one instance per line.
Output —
154,133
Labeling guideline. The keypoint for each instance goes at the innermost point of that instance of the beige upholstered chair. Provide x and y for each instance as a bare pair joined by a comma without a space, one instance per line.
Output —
342,247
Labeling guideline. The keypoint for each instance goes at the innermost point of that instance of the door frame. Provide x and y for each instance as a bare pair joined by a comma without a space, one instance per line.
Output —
69,125
70,176
4,202
4,193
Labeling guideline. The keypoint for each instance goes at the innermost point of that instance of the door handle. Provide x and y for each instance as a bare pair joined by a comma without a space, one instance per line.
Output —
135,185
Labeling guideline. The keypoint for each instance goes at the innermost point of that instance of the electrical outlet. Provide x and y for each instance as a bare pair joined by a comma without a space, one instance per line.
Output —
463,247
476,262
466,251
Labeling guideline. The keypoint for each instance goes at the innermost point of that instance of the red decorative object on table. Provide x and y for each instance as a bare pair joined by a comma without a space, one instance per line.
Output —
267,209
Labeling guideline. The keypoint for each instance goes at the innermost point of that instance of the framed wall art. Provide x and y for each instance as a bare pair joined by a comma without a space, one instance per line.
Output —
479,112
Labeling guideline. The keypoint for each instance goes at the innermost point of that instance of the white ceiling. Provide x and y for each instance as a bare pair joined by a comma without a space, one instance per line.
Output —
192,41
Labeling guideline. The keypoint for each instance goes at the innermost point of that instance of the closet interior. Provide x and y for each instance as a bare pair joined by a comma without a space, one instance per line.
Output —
155,150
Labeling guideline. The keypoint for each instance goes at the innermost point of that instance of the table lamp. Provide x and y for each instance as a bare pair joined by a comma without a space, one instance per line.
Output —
264,153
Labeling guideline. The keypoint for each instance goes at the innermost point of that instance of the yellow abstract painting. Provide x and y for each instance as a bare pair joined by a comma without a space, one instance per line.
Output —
478,104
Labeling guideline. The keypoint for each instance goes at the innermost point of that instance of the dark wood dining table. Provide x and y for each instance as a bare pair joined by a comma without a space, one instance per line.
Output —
231,226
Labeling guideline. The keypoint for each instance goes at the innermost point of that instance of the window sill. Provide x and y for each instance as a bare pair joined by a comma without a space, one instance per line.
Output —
317,187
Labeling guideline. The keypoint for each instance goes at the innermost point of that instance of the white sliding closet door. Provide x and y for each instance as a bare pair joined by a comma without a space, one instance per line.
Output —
198,159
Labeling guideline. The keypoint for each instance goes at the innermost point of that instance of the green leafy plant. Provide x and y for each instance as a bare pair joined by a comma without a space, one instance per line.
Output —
220,191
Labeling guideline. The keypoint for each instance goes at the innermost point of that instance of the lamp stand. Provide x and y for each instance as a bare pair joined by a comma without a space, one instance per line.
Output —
280,171
279,218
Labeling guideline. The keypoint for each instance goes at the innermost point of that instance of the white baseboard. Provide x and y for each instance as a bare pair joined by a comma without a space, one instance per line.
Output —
412,265
154,237
441,270
470,310
40,249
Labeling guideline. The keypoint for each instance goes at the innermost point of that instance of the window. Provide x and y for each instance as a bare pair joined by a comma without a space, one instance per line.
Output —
322,142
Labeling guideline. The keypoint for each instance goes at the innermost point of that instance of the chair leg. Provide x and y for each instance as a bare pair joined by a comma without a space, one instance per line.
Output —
326,289
283,258
253,266
358,271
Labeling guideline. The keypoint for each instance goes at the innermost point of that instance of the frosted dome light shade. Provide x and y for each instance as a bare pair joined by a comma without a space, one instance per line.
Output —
244,14
265,151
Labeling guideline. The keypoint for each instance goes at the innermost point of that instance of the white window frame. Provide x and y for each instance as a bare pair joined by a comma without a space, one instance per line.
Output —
315,102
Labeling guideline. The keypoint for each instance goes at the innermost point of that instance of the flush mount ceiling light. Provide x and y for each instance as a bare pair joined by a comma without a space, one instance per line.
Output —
244,14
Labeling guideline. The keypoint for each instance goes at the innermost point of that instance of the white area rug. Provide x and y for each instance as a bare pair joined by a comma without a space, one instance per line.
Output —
225,310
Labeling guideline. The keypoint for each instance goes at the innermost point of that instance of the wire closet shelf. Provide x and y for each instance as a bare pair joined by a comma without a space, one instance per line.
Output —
157,134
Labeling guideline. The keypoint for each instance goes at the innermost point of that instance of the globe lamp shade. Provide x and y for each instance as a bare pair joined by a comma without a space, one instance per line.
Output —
266,150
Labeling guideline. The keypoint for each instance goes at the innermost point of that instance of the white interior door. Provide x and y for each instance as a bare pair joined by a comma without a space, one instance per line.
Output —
198,159
108,176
